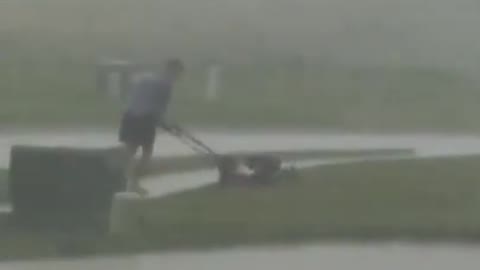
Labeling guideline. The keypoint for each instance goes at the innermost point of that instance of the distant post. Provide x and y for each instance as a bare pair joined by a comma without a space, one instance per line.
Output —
118,72
213,82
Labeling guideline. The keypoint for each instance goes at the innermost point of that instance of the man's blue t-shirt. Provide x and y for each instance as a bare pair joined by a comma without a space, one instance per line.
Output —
150,96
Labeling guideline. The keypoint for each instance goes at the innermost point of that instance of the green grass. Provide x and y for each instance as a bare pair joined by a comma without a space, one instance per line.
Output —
420,200
417,199
385,98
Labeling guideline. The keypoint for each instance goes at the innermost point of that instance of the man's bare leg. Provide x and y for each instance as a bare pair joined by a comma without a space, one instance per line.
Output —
130,170
145,160
147,153
141,168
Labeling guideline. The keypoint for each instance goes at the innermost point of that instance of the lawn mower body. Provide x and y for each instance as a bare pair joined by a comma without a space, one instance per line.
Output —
253,169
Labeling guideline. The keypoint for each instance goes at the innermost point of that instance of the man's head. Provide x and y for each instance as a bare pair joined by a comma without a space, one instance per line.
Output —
174,69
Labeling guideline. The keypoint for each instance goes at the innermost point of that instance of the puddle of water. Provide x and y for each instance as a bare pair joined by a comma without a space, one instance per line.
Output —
159,186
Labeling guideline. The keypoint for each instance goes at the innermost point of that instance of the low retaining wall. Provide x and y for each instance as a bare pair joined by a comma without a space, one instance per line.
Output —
64,188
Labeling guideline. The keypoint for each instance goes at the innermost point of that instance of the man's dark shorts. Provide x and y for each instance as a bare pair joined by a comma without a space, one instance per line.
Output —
138,130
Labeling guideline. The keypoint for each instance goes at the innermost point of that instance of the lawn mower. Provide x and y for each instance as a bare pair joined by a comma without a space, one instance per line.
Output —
234,169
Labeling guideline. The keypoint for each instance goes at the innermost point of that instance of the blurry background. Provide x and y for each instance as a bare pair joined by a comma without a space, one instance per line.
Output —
356,64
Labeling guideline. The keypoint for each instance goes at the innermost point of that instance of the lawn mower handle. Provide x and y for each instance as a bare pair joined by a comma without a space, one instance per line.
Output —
187,138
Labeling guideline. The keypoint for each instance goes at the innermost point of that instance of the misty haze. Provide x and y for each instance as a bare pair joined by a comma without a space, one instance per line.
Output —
233,134
366,32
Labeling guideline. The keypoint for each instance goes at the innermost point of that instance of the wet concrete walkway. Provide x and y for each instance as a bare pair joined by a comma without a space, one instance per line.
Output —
388,256
425,144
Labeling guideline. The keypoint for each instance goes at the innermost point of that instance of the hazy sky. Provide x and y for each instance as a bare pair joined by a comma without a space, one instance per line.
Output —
407,32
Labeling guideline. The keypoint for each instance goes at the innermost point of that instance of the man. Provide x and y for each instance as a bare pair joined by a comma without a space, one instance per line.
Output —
145,111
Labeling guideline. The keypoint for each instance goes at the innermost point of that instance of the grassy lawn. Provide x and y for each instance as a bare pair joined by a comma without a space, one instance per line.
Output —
409,199
427,199
370,99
